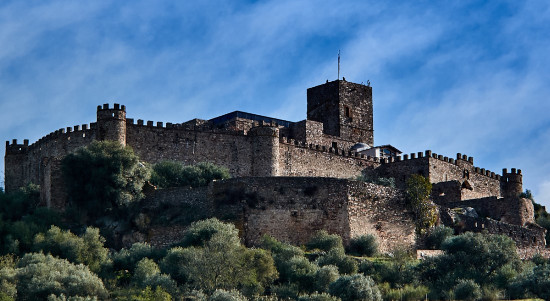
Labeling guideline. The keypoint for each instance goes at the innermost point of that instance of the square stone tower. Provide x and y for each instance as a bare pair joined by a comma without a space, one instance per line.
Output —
344,108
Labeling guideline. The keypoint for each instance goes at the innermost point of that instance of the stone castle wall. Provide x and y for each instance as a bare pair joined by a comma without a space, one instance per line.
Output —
480,182
39,162
291,209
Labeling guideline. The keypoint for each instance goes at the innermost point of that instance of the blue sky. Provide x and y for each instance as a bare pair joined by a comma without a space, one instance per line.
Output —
456,76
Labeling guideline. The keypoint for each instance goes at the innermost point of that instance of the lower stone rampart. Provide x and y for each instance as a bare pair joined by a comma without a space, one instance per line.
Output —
517,211
291,209
528,236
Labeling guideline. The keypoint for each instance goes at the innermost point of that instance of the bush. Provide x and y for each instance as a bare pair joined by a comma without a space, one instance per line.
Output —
318,297
218,261
103,176
485,259
323,241
145,269
202,231
147,294
39,276
533,282
436,236
300,271
87,249
406,293
467,290
325,276
126,259
223,295
364,245
338,258
418,192
173,174
356,287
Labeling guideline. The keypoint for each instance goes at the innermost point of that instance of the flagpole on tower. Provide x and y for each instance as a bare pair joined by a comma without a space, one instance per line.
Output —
338,64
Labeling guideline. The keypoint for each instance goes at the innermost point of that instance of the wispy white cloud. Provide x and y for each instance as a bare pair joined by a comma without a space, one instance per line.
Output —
465,77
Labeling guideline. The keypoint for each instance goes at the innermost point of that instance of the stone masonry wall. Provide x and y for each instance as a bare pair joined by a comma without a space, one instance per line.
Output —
291,209
299,159
380,211
439,169
157,143
26,163
515,211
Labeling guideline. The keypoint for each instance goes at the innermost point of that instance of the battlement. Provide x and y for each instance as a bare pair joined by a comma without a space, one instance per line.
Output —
327,149
116,107
15,148
460,159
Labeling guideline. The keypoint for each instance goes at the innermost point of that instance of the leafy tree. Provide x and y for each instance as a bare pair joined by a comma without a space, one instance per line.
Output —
364,245
436,236
87,249
37,276
223,295
200,232
173,174
325,276
534,282
467,290
355,287
338,258
126,259
103,176
323,241
215,259
318,297
147,294
478,257
418,192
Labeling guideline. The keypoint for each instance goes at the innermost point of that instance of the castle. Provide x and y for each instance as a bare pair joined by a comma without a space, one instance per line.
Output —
293,177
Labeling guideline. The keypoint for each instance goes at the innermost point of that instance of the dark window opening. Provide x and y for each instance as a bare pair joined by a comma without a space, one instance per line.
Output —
347,112
335,145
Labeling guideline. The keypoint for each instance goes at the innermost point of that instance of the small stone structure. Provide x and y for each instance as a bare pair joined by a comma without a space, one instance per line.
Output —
291,175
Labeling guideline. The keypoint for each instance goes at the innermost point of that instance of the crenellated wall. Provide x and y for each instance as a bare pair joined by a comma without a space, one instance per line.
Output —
474,182
38,163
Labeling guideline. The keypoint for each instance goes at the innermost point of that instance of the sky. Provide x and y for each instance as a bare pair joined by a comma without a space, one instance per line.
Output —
450,76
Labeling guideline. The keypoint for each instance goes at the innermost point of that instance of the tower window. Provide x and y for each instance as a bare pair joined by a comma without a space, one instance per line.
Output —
347,112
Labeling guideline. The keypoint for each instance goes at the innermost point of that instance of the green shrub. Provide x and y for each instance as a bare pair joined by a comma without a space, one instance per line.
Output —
103,176
338,258
223,295
300,271
481,258
202,231
531,283
323,241
356,287
364,245
405,293
126,259
173,174
467,289
87,249
436,236
219,261
325,276
418,192
145,269
318,297
39,276
147,294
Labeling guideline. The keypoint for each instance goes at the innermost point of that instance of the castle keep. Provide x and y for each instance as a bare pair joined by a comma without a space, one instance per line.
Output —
298,171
